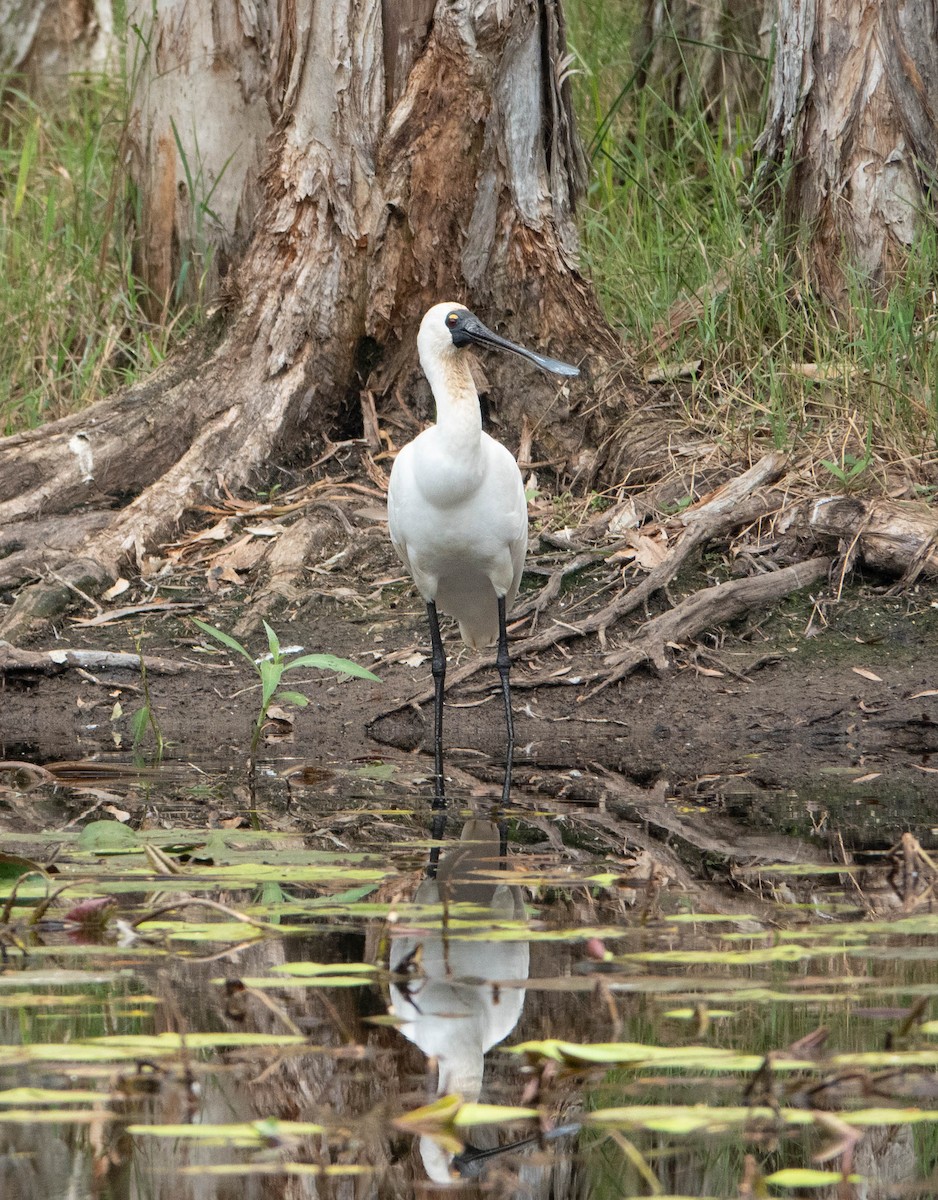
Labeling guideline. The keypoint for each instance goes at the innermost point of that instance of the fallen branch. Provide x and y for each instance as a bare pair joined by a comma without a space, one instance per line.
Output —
712,606
53,662
898,537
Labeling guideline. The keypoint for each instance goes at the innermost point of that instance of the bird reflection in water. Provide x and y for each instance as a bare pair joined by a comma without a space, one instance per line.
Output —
460,998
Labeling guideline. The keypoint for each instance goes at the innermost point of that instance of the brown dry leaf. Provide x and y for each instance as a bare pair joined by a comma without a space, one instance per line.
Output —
119,814
871,675
624,518
264,529
243,554
219,532
928,770
711,672
277,713
117,589
927,692
867,778
647,552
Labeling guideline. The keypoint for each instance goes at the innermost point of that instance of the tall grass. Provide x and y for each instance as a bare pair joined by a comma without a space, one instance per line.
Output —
72,326
671,227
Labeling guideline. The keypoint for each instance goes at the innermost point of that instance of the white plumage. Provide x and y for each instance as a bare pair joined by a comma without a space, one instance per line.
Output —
456,506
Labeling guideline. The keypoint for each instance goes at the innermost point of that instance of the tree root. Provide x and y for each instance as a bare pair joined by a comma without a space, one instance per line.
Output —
712,606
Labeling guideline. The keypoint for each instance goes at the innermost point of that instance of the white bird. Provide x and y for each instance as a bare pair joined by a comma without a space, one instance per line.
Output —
456,508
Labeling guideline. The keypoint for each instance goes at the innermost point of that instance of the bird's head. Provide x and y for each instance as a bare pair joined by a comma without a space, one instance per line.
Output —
448,328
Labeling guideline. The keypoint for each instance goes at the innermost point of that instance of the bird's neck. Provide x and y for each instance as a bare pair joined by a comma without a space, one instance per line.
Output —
458,416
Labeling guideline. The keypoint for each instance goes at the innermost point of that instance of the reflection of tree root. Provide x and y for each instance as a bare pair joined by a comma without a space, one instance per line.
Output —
912,873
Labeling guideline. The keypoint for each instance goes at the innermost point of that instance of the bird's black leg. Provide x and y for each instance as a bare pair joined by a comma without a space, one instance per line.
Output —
503,662
438,667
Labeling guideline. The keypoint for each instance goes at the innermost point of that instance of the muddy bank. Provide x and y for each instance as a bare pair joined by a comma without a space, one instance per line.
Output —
799,697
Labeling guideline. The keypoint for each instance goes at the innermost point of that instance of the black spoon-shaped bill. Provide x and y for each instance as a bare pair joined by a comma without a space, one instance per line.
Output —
468,330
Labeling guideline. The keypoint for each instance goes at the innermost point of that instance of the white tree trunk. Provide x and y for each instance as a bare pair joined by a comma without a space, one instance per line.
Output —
851,133
204,99
44,41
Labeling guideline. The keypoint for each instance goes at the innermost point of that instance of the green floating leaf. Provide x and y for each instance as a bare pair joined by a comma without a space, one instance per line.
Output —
117,1048
266,982
12,866
769,954
334,1170
311,968
53,1116
37,1095
105,837
683,1119
245,1133
210,931
697,1058
470,1114
61,977
796,1177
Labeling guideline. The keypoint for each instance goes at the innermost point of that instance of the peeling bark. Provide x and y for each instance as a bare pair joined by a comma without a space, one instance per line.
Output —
202,108
896,537
851,138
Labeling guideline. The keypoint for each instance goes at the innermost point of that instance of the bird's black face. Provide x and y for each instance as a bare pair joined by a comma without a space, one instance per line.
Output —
456,324
466,329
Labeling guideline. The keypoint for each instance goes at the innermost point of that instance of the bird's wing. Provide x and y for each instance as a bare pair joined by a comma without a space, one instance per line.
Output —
507,482
397,486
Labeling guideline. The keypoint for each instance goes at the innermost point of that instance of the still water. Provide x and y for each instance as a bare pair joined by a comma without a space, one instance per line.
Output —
214,988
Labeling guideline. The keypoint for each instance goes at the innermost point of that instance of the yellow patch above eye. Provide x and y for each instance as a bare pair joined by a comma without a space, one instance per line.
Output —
452,318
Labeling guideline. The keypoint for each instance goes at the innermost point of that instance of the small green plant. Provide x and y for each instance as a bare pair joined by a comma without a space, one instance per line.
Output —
144,718
272,666
851,468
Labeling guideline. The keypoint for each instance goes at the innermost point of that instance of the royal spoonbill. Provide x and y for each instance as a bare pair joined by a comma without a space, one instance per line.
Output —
457,511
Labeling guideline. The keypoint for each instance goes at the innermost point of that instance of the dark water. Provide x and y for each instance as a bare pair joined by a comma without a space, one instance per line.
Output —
209,992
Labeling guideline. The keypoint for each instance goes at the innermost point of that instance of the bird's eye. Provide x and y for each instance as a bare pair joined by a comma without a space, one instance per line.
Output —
452,318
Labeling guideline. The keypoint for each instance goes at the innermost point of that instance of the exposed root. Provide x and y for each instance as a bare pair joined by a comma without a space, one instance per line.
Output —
704,609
